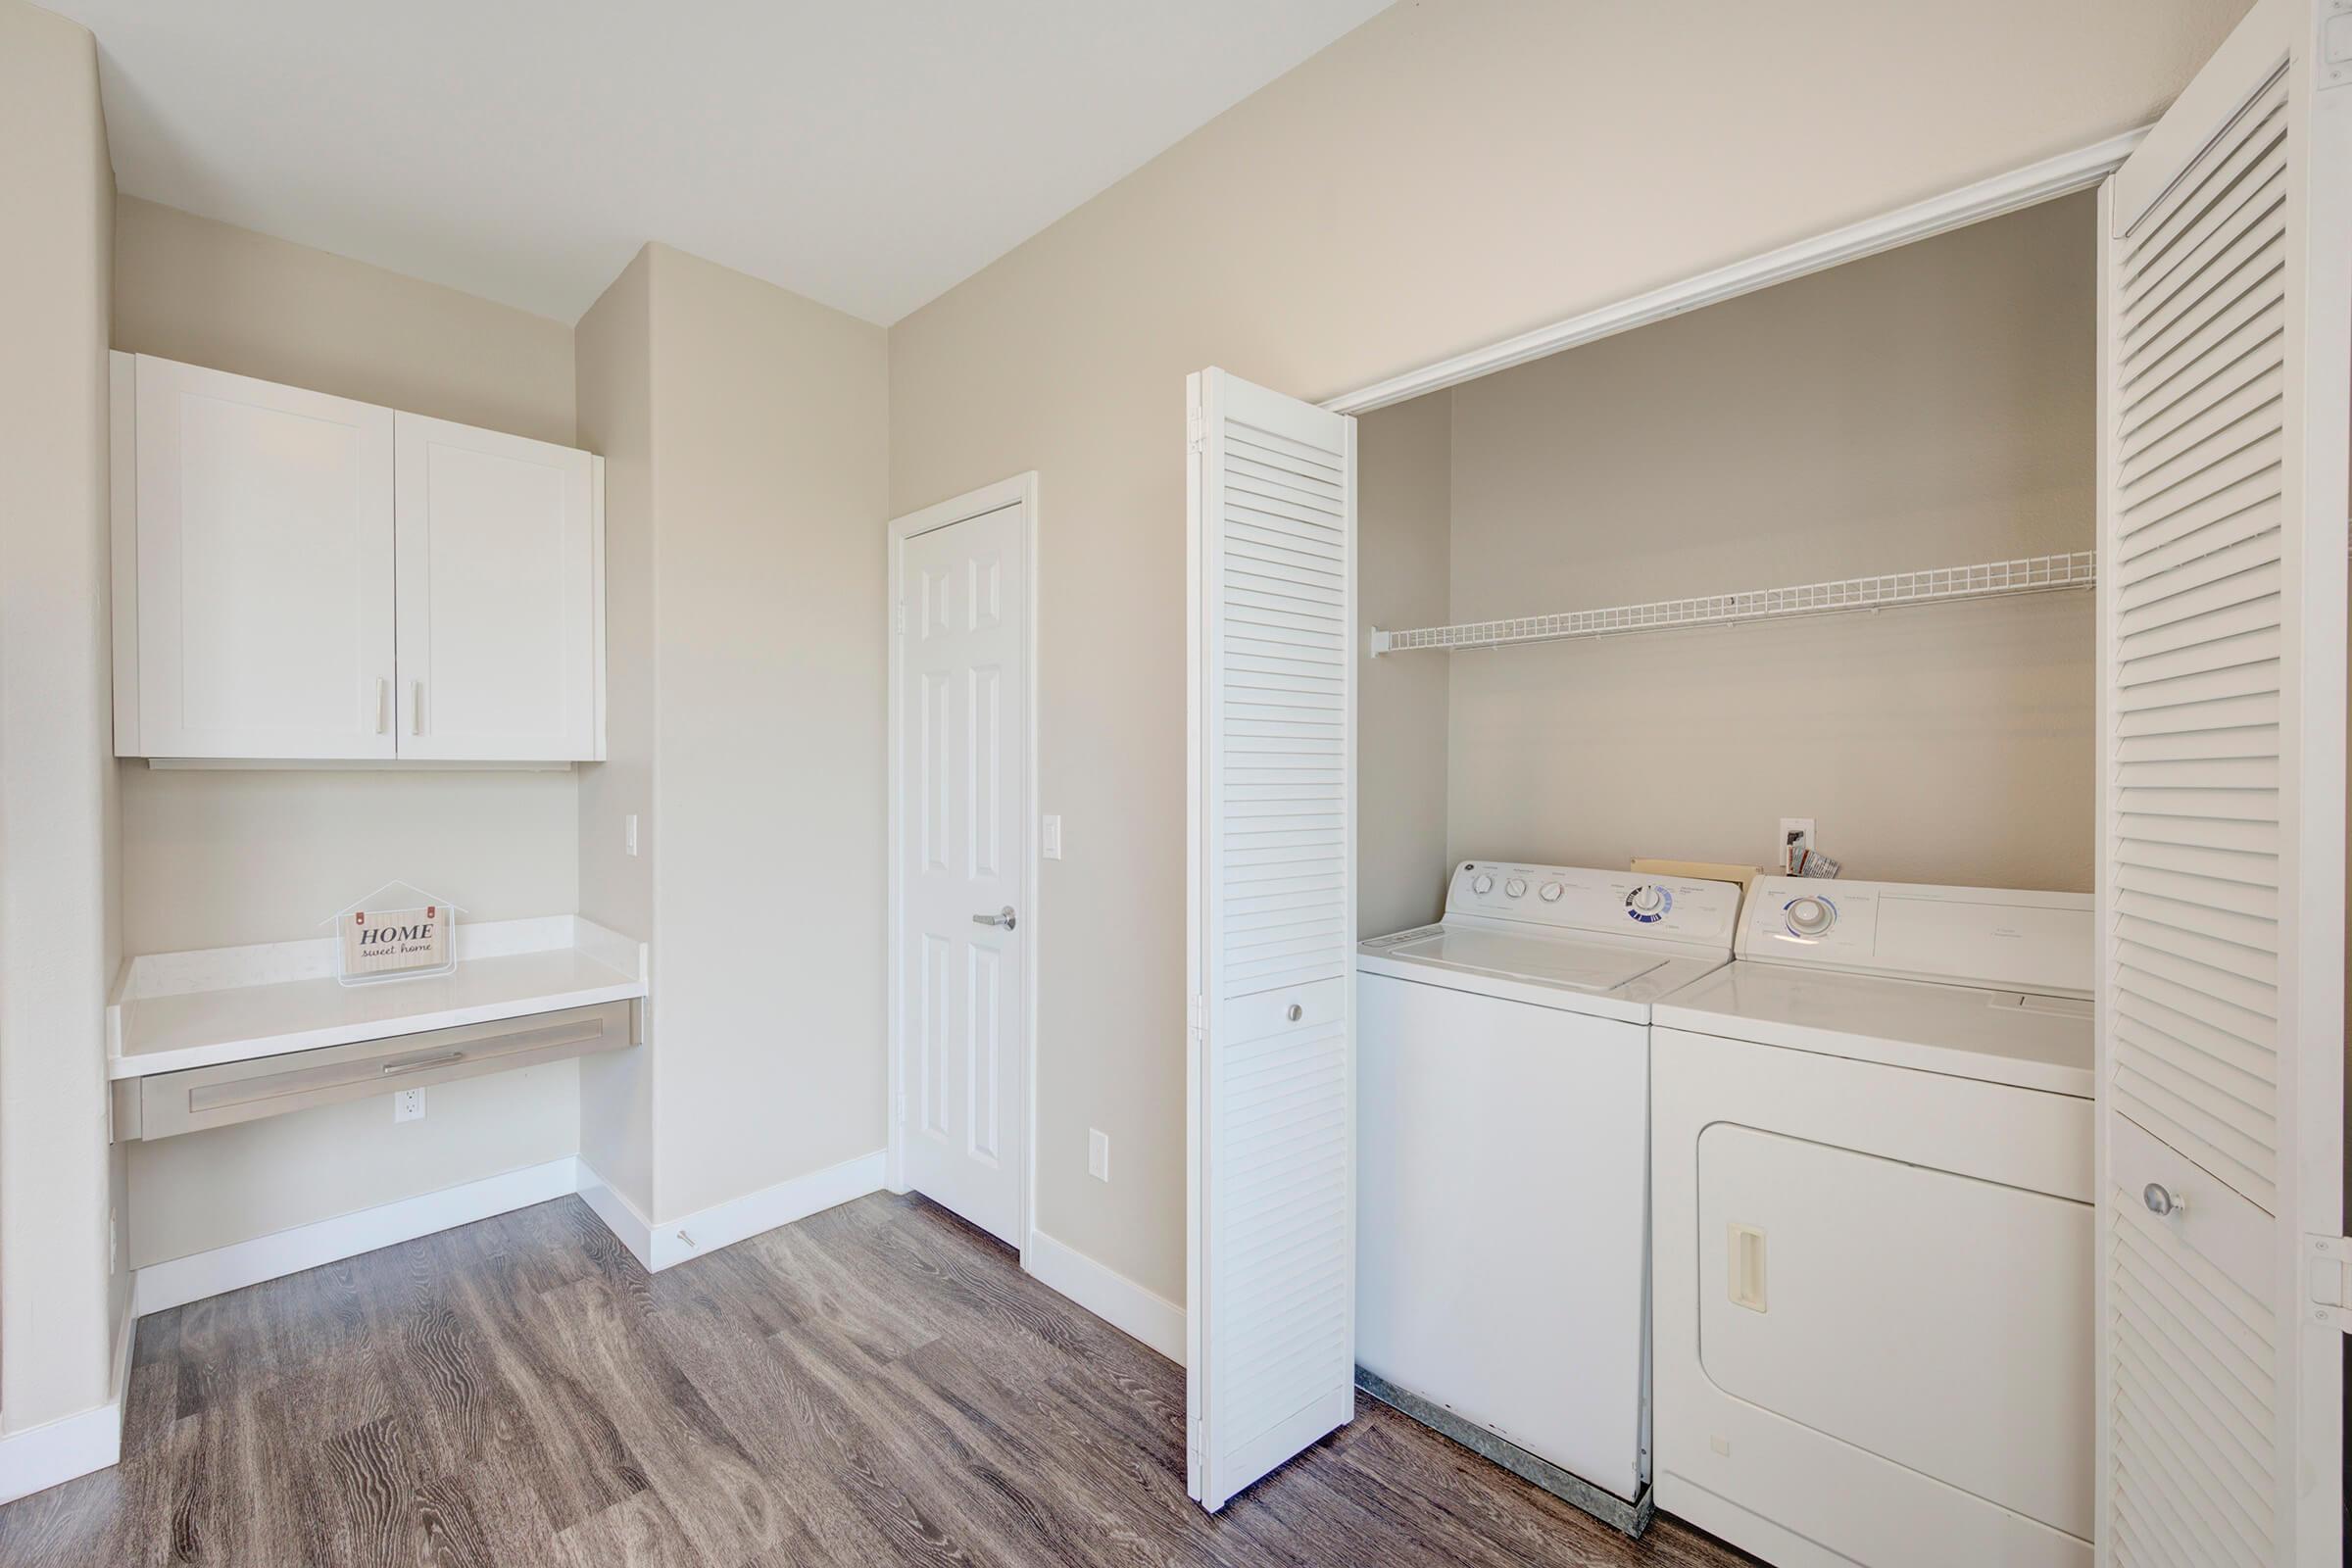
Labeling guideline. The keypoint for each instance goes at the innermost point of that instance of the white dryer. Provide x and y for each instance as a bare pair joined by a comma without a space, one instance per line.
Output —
1872,1176
1503,1164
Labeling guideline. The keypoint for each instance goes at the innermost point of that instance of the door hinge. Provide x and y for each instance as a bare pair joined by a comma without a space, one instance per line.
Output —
1196,438
901,617
1192,1011
2328,1280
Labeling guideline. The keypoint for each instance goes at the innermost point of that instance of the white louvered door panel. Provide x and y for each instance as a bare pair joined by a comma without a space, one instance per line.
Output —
2226,389
1272,930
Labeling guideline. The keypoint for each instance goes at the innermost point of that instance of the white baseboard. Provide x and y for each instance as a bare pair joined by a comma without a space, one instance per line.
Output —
1108,1294
56,1452
724,1224
181,1280
632,1229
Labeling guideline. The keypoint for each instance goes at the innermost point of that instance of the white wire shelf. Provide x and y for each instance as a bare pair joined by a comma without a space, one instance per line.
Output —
1993,579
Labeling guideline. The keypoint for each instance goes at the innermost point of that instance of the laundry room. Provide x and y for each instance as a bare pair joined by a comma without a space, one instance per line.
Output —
1761,631
1928,406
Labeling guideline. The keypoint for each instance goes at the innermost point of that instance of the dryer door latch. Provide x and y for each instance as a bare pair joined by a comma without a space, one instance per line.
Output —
2327,1275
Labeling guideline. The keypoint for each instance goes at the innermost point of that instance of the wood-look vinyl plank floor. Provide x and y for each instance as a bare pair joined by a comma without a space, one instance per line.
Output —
877,1385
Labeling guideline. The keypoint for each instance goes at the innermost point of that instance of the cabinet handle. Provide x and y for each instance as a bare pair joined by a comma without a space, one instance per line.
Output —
415,708
383,705
414,1063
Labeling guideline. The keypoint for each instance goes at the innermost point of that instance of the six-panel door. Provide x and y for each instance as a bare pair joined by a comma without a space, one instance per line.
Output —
497,589
964,700
264,570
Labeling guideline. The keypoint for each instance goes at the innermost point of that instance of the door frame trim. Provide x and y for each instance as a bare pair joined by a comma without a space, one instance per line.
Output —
1021,490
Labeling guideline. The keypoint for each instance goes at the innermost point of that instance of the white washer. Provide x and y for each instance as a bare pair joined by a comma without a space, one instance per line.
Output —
1872,1146
1503,1163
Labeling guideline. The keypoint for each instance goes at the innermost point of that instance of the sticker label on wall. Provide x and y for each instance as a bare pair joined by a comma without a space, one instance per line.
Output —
390,942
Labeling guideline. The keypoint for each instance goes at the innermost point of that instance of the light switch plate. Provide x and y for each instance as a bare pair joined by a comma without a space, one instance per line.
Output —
628,832
1098,1154
1050,839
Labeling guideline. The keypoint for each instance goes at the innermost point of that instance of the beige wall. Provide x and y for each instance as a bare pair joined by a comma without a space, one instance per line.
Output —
612,347
1445,175
772,424
1931,406
1405,478
747,731
57,924
214,858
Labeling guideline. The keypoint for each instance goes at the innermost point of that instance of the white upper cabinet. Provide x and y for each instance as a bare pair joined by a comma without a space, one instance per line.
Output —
262,570
301,577
498,551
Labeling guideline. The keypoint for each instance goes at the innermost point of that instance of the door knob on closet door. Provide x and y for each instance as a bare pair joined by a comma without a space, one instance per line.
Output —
2162,1199
1003,917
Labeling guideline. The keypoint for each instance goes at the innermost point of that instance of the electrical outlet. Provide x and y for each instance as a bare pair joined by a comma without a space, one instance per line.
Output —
408,1104
1098,1154
628,832
1796,837
1050,844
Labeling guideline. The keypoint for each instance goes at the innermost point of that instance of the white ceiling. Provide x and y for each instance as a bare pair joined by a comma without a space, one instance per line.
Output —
866,153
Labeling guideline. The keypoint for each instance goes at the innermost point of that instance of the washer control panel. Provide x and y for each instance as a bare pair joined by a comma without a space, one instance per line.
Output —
1581,899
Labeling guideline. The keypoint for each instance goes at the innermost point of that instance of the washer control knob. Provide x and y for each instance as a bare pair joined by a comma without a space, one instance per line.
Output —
1811,916
1516,887
1482,884
1648,899
1551,893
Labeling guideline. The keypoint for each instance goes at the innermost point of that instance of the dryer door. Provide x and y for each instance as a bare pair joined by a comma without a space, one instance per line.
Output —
1936,1320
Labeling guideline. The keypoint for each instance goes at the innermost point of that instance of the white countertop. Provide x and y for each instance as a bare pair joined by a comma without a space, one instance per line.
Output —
177,1011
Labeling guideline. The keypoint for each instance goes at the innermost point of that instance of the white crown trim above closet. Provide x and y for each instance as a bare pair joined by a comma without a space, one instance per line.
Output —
2008,192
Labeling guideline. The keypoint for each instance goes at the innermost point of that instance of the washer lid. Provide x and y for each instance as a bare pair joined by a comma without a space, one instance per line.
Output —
2007,1037
1542,961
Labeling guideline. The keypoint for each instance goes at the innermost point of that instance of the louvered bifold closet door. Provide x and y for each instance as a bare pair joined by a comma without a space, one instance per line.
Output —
1272,1072
2227,356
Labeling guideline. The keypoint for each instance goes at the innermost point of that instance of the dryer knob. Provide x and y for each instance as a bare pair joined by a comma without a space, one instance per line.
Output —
1516,887
1810,916
1482,884
1551,893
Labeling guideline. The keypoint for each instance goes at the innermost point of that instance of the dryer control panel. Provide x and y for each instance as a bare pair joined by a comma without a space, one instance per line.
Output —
1570,898
1995,937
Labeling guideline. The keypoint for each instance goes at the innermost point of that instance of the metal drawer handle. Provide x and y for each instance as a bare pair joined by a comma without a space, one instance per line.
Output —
411,1064
2161,1201
1295,1014
1003,917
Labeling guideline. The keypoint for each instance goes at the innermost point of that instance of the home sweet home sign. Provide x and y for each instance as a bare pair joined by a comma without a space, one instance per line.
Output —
395,942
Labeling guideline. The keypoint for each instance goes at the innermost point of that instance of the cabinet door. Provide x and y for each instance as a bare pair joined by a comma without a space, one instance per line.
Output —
496,602
264,570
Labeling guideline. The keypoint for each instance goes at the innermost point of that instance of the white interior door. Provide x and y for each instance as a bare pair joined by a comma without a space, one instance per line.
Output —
1271,1256
962,718
264,569
2226,391
498,562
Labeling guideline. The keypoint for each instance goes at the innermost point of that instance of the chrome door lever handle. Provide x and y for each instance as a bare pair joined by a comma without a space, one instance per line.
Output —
1003,917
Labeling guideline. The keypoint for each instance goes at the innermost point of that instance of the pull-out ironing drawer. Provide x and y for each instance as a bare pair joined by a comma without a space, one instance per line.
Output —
164,1104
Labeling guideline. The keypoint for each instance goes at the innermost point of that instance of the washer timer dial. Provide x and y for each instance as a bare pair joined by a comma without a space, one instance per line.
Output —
1516,887
1482,884
1649,904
